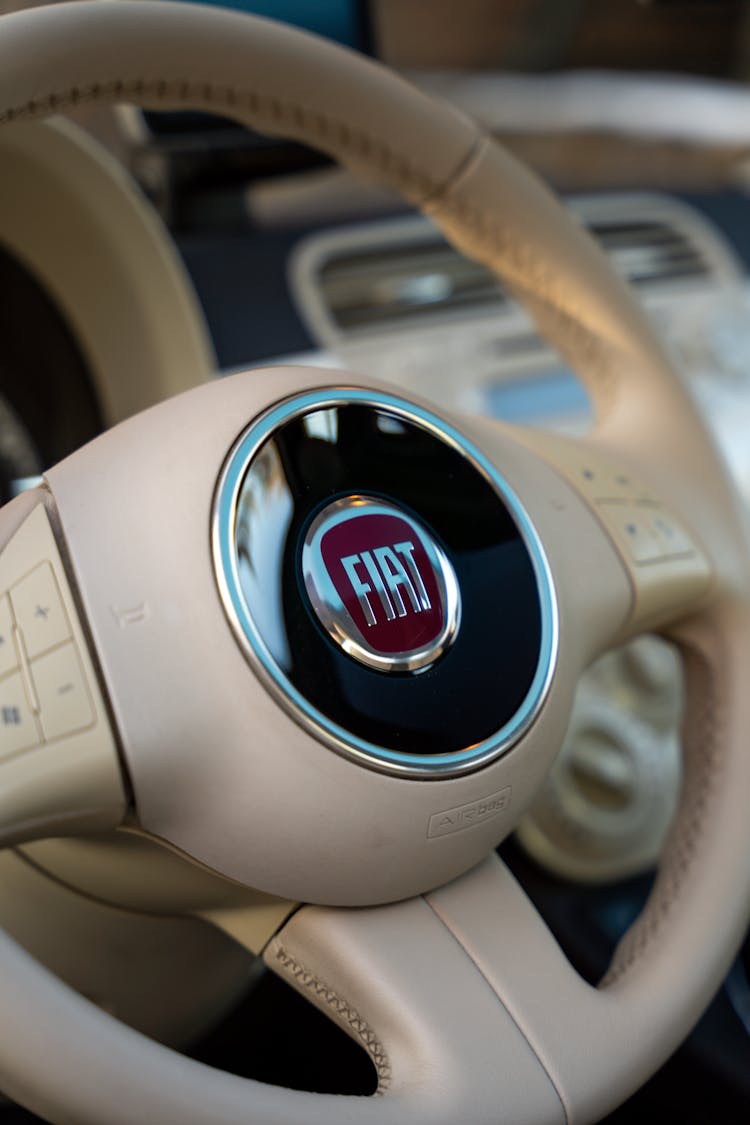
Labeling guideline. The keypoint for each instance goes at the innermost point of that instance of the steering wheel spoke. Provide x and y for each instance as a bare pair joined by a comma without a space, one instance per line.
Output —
468,985
59,768
577,1031
667,566
402,983
466,988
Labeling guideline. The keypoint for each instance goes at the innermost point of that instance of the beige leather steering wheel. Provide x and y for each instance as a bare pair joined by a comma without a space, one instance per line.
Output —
453,984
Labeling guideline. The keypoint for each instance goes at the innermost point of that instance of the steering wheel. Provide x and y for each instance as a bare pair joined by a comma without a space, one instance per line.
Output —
324,641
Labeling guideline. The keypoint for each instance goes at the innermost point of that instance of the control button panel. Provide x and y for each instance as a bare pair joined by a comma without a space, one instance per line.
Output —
602,481
47,689
668,569
667,566
646,533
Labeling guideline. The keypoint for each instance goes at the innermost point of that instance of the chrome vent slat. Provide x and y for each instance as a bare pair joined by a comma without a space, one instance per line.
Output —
668,277
612,241
402,271
639,267
647,252
380,286
354,318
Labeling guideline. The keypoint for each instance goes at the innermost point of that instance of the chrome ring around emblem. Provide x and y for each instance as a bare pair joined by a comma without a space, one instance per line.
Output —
246,452
405,586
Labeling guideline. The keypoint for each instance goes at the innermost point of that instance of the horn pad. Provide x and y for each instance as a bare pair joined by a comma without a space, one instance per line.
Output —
385,581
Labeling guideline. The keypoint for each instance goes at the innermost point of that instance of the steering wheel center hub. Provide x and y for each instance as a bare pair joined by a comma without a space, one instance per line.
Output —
385,582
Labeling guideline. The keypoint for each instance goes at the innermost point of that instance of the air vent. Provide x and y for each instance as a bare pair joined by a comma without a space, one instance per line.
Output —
380,277
650,253
378,287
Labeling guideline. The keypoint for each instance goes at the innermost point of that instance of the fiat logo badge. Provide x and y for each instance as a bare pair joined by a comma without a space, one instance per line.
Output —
380,585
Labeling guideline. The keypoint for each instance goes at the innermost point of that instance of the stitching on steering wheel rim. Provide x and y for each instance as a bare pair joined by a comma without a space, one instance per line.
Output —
704,752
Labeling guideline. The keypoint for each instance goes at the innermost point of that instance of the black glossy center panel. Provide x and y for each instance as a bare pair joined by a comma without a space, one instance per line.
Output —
479,684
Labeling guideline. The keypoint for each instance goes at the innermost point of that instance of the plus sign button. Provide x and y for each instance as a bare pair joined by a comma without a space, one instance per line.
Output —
380,584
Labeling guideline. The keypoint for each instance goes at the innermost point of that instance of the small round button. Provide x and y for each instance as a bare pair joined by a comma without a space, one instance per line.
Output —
380,585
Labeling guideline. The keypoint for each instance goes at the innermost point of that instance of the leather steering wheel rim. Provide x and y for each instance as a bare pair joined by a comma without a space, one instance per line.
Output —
567,1052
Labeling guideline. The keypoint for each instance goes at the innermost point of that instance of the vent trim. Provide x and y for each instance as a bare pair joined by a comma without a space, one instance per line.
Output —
389,276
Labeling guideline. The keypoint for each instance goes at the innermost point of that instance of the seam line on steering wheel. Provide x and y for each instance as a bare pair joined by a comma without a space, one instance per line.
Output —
360,1028
528,273
356,141
682,847
533,285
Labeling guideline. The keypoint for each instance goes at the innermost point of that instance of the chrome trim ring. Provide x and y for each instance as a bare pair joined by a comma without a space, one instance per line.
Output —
262,660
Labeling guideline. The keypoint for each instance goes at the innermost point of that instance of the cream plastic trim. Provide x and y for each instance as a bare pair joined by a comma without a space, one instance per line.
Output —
72,216
64,783
134,872
251,926
525,1046
171,977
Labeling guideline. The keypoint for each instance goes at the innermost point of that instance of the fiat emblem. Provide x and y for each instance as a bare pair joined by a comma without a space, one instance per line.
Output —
380,585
